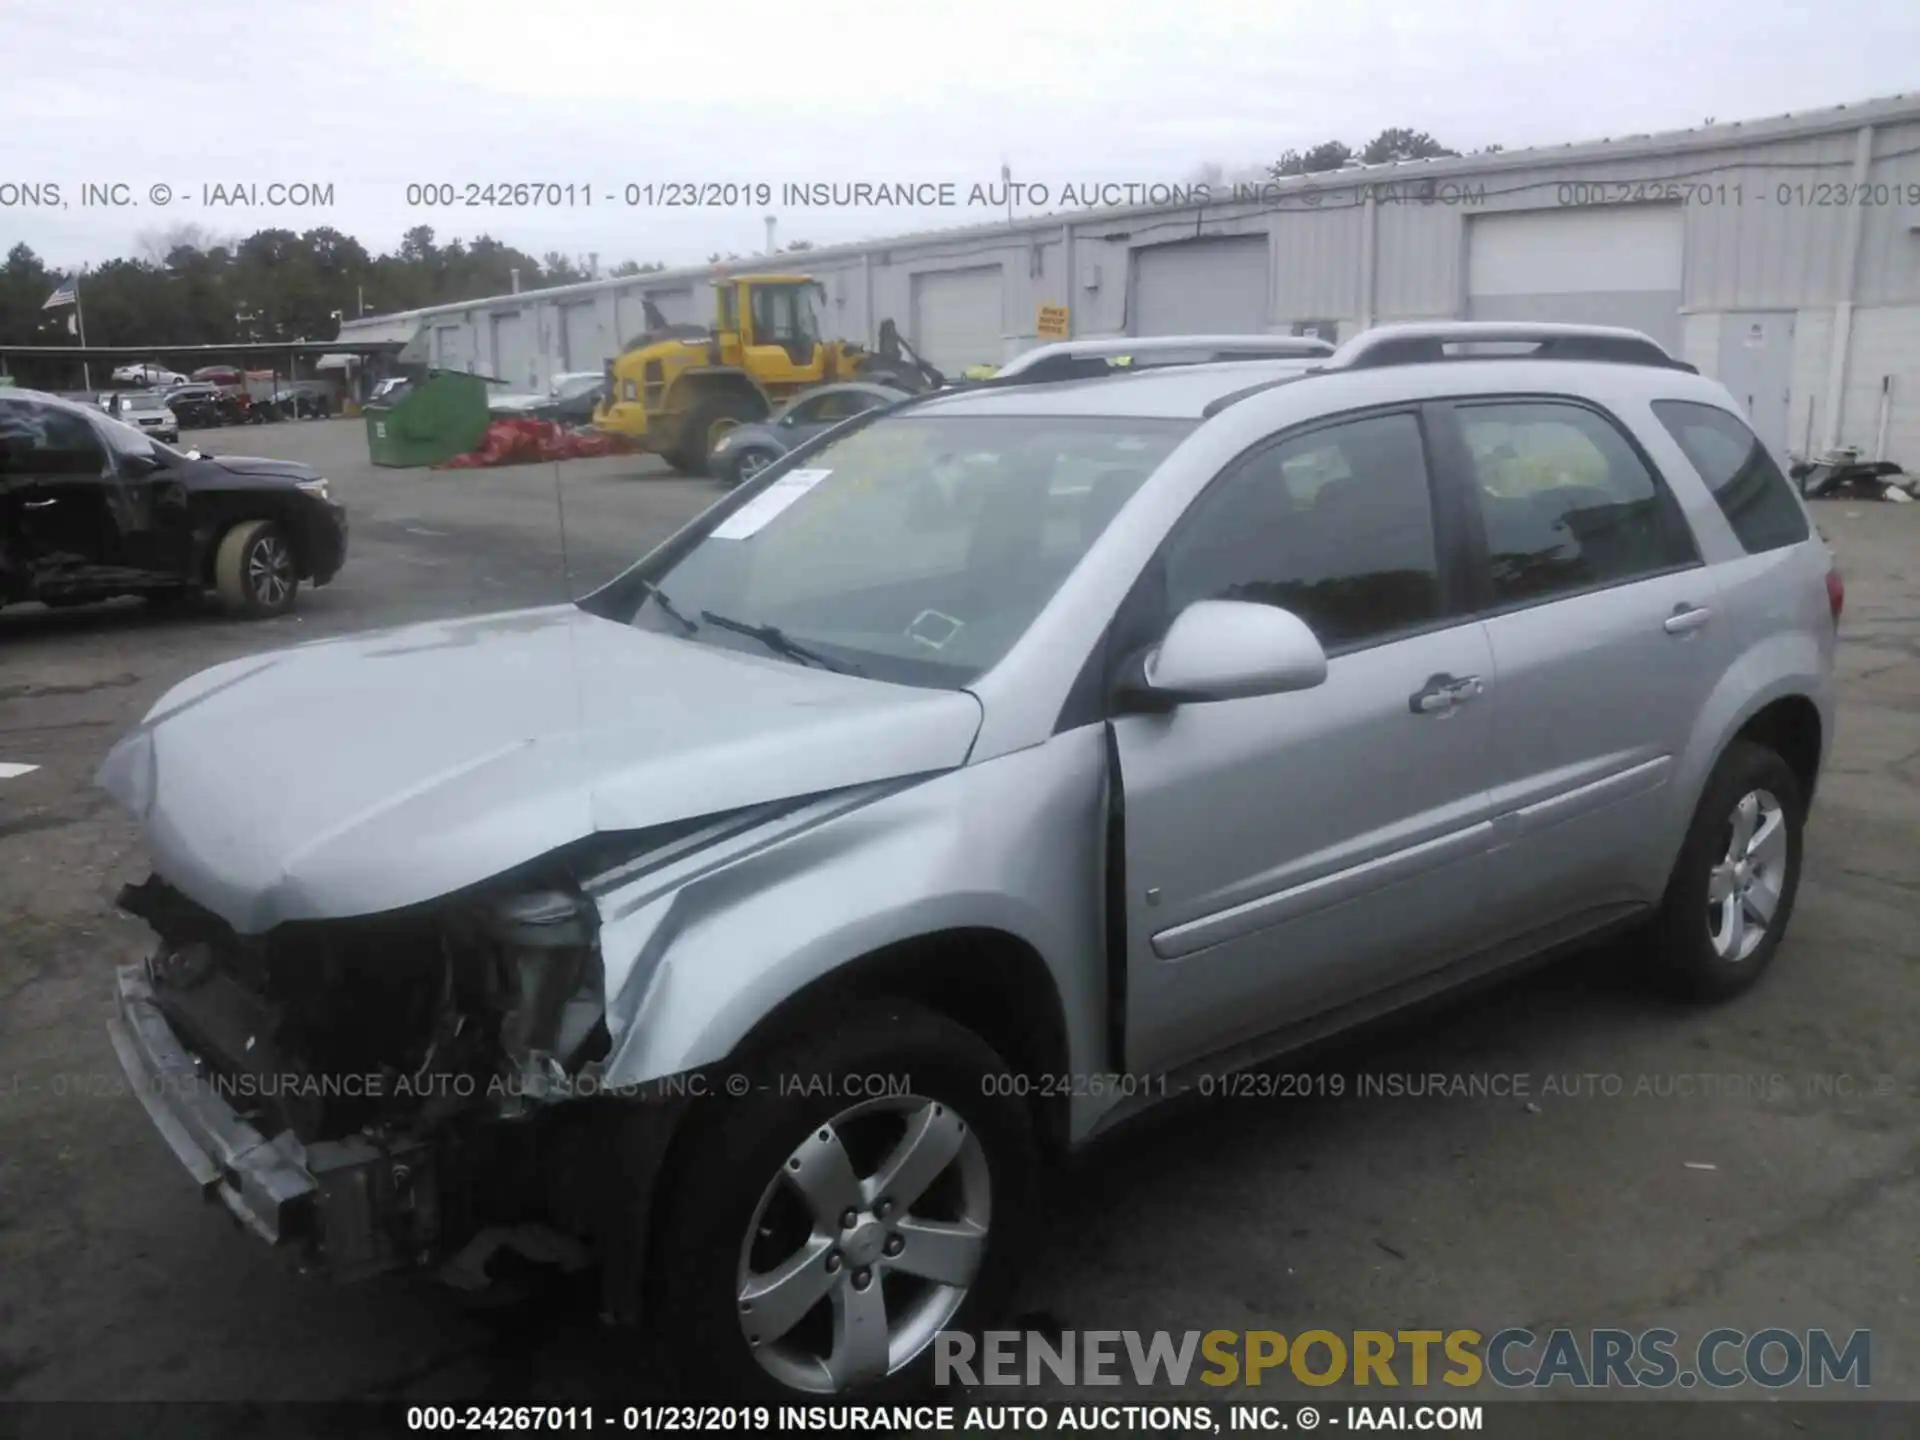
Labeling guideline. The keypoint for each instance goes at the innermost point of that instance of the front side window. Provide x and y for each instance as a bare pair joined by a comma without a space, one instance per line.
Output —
1746,484
1335,525
1566,502
917,548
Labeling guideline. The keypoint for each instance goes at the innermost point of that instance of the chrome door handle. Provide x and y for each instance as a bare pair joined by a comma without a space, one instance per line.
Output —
37,504
1686,618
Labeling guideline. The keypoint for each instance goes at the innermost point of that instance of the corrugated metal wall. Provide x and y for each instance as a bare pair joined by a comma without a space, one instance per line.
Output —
1766,226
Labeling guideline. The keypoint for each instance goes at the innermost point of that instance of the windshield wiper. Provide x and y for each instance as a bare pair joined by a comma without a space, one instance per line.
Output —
777,640
659,597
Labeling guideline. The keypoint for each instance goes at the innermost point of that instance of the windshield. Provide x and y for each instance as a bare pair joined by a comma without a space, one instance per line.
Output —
142,403
916,549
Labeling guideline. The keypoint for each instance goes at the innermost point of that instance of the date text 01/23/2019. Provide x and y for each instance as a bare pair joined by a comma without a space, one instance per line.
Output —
1821,194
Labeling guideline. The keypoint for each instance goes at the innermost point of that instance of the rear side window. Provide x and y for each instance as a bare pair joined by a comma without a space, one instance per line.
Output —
1567,503
1749,488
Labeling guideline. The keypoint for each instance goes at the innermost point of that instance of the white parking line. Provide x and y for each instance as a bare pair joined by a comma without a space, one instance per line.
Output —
11,770
422,530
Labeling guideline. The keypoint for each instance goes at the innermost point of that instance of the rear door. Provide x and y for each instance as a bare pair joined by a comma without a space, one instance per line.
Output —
1606,642
1289,851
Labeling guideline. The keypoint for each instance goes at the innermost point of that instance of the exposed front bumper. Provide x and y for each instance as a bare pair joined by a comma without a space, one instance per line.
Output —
327,540
355,1206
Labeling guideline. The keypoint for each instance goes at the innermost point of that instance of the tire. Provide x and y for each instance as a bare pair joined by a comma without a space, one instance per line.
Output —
731,1184
1695,948
749,462
695,455
255,571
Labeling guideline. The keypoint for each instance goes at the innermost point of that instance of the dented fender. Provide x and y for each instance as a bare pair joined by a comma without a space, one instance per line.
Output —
696,953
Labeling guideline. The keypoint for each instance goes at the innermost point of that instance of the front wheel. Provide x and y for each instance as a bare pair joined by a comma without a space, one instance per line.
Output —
1732,889
255,571
822,1233
710,422
747,464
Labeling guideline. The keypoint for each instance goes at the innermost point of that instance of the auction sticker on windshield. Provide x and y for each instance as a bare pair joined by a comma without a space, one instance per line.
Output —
753,516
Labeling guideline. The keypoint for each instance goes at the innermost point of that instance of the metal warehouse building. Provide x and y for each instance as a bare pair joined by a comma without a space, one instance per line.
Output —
1780,255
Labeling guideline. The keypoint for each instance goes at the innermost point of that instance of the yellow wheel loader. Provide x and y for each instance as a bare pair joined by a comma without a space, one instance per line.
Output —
678,389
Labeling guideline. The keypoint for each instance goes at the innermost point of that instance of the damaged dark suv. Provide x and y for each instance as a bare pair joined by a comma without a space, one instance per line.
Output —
91,508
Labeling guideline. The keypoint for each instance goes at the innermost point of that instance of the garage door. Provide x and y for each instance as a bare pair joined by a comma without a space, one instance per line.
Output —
1607,266
957,318
1200,287
676,307
582,347
513,356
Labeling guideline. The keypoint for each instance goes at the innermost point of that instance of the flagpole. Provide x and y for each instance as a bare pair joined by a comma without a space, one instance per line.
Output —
80,320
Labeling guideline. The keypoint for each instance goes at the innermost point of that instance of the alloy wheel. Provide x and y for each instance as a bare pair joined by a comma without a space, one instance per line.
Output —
751,464
865,1244
1745,887
270,571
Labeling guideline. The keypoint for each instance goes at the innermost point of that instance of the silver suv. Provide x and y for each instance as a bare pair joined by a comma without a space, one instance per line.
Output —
982,772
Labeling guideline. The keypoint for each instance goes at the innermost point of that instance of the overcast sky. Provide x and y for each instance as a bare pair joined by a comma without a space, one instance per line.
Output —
605,95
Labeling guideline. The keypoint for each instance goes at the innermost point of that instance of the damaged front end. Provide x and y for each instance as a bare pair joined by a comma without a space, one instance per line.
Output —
373,1092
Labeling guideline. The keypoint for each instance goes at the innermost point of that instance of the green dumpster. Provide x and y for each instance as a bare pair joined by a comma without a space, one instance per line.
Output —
431,421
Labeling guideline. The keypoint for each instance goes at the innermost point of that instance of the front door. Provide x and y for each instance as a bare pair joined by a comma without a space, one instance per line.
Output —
1289,851
1607,643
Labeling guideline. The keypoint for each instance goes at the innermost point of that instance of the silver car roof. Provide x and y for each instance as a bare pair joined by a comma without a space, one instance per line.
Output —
1173,392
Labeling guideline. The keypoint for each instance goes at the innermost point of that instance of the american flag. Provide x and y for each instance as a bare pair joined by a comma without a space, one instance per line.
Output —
67,293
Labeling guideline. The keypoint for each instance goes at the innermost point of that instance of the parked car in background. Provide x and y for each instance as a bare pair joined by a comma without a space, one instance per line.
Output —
299,401
220,375
196,406
747,450
571,399
150,372
91,508
145,410
575,396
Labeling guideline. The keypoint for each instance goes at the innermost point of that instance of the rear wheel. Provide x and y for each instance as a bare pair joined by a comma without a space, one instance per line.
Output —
817,1239
1733,887
255,571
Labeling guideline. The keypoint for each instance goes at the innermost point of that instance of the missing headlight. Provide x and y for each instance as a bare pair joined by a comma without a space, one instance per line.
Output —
554,1018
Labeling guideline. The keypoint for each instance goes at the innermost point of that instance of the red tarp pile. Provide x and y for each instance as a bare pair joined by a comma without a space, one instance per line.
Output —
523,441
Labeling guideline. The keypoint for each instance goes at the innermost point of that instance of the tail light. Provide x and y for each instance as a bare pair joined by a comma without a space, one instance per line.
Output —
1836,593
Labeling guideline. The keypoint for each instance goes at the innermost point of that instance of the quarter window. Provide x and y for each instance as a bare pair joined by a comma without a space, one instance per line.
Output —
1746,484
1335,525
1566,502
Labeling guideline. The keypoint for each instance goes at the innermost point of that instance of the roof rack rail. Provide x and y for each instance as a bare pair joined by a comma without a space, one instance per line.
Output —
1427,341
1079,359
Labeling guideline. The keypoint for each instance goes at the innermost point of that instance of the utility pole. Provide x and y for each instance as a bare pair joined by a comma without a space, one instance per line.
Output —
771,222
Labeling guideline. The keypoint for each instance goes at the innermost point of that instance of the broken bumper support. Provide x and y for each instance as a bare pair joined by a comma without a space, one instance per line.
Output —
359,1206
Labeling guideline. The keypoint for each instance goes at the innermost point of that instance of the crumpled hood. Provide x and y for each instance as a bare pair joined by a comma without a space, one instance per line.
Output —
353,776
